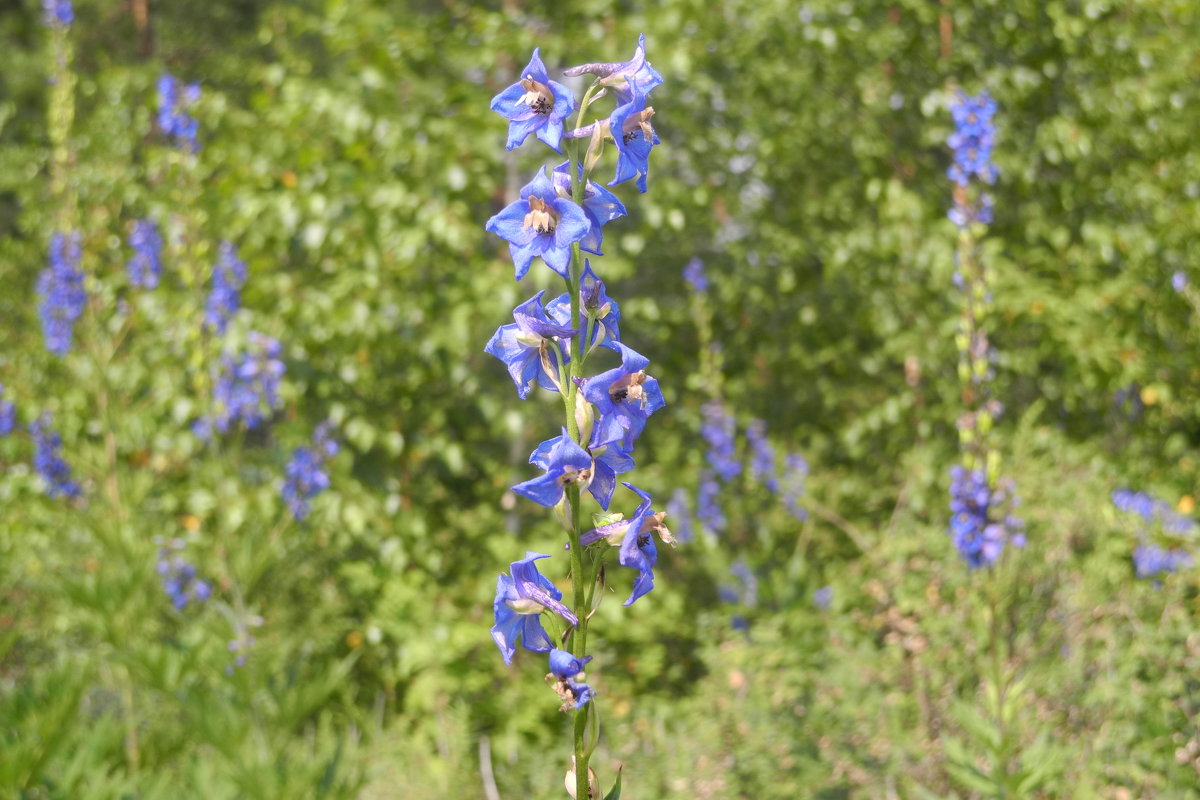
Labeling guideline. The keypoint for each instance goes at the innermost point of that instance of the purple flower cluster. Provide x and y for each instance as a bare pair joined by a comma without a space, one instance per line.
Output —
228,278
305,473
972,141
57,13
246,388
1154,558
762,455
719,431
982,523
708,503
48,461
145,266
174,98
693,273
557,216
8,414
60,289
179,578
795,473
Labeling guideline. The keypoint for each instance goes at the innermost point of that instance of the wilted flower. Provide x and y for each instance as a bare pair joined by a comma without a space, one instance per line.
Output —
636,542
520,600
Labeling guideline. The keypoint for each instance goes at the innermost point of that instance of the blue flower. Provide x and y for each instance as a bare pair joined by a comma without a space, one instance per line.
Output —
1179,281
534,104
1150,558
246,388
793,485
596,304
8,414
979,526
179,578
623,77
540,224
973,138
693,273
520,600
600,206
526,347
60,287
173,120
565,665
57,12
48,462
635,137
823,597
608,461
625,396
708,506
146,264
718,430
680,513
566,668
564,462
306,475
636,542
762,455
228,278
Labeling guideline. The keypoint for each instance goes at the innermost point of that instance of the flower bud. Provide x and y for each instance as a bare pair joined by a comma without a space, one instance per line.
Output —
585,417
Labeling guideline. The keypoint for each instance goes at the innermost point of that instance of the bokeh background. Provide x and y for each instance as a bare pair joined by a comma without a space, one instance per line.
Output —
347,149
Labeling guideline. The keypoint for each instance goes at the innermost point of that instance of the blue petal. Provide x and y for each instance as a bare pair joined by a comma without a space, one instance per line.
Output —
544,490
509,224
533,635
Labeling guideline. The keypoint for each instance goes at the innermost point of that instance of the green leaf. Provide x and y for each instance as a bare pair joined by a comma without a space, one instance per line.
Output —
615,792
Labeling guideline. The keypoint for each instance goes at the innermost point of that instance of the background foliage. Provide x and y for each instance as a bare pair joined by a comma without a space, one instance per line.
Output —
347,149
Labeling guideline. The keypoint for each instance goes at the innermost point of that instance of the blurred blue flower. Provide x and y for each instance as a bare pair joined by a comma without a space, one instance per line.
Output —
520,600
795,473
823,597
57,12
973,138
635,137
625,397
60,287
540,224
246,388
1151,558
145,266
305,473
600,206
680,514
47,459
718,430
1179,281
525,347
980,525
179,578
693,273
762,455
228,278
174,97
8,414
708,505
534,104
564,462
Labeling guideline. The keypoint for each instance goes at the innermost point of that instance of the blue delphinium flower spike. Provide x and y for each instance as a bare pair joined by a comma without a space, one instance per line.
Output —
680,514
565,462
636,541
599,205
708,503
57,13
1179,281
625,397
623,77
176,124
246,388
718,431
693,273
306,476
48,462
145,266
796,470
535,104
977,533
595,303
60,287
635,137
540,224
521,597
525,347
228,278
179,577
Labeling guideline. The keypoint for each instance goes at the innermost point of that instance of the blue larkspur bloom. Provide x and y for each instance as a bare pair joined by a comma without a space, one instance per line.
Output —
228,278
708,503
527,347
61,293
1153,556
145,266
57,13
567,668
823,597
973,139
625,397
600,206
1179,281
679,512
179,578
608,461
635,138
48,461
980,525
623,77
8,414
521,597
540,225
595,303
636,541
564,462
565,665
693,273
795,473
534,104
306,475
719,431
174,98
246,388
762,455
